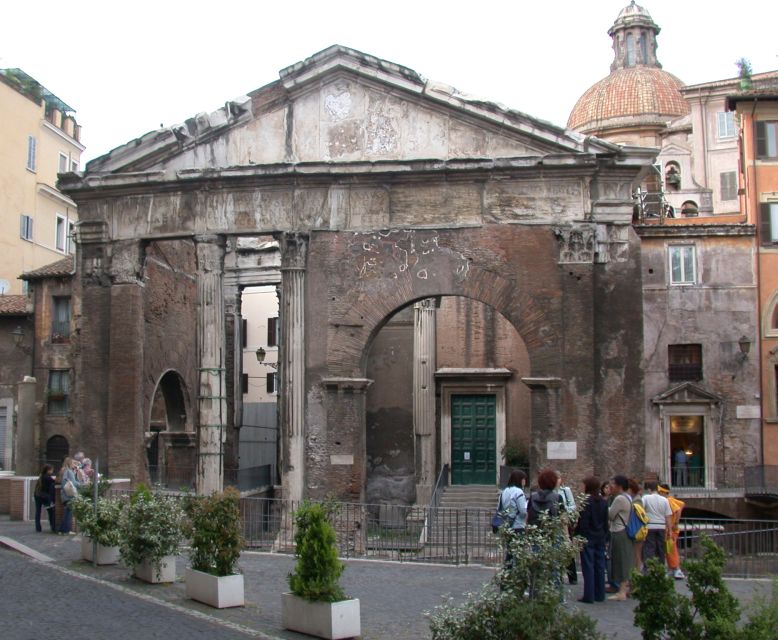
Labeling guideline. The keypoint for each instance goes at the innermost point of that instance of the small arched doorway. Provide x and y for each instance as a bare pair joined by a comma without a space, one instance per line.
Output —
170,441
57,449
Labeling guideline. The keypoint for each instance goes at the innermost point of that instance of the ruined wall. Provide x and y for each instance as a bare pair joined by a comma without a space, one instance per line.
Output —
389,420
355,281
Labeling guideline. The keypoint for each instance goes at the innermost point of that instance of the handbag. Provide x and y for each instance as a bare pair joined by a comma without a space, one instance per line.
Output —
499,517
69,489
669,546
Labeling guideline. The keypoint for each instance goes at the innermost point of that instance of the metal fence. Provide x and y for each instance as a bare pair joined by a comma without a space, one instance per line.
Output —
751,546
464,536
388,532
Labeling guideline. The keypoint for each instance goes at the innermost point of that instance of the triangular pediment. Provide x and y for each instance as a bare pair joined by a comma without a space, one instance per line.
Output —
674,149
686,393
341,105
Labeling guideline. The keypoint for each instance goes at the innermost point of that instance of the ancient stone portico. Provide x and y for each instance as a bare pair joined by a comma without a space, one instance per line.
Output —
383,191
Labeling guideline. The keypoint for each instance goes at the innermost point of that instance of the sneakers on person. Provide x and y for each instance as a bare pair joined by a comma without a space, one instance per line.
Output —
678,574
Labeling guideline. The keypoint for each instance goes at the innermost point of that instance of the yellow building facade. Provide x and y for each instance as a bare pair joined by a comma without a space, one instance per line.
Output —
39,138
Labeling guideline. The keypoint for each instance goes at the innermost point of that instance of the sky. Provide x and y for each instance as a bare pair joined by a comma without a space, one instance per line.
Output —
127,68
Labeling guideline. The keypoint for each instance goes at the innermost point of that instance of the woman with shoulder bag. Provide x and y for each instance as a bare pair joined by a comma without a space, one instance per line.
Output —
69,490
44,497
513,503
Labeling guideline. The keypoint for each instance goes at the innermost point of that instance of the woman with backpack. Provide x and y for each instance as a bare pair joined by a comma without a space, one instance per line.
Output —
622,554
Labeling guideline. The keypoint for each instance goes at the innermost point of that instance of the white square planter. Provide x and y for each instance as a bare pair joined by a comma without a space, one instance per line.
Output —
216,591
149,572
331,620
105,555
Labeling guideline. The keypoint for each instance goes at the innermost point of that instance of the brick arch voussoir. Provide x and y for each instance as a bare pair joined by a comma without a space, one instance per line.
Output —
351,336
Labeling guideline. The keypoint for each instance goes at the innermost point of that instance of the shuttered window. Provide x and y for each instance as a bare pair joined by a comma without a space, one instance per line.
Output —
768,222
766,140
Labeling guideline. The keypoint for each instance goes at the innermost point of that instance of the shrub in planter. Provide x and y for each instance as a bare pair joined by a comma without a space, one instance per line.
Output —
101,524
214,530
152,528
317,605
318,569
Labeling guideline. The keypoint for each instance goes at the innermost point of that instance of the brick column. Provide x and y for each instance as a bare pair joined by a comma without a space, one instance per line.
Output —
211,397
126,344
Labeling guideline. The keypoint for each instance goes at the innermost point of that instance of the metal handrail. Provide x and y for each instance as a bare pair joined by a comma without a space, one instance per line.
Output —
440,485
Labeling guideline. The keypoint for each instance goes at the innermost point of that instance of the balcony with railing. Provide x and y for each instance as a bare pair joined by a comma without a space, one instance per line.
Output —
761,482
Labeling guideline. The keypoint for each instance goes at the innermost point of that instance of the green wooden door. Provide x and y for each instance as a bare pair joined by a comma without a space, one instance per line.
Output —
473,439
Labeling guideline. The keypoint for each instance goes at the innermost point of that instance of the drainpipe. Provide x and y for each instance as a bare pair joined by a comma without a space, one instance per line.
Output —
758,284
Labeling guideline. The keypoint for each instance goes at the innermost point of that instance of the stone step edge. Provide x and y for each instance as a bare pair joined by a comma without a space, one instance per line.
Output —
17,546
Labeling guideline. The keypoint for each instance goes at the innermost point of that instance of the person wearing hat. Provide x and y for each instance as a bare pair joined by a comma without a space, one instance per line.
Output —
673,556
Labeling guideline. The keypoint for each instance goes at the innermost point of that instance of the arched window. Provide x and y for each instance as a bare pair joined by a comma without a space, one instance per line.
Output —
672,176
630,50
689,208
770,317
57,449
643,50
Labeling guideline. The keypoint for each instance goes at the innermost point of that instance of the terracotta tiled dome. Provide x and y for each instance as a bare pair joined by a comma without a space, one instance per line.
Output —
632,95
637,92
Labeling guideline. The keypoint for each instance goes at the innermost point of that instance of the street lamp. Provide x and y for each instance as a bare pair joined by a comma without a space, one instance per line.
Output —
261,353
745,346
18,335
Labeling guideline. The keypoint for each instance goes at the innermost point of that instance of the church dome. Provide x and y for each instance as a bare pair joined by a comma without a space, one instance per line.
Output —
637,93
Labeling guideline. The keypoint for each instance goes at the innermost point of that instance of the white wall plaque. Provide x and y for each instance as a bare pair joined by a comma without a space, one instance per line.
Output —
747,411
562,450
342,459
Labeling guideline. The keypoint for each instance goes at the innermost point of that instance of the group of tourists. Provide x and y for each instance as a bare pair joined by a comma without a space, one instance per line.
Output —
623,526
75,472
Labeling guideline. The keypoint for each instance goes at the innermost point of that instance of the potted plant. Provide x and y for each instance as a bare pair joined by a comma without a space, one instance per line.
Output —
99,525
317,605
151,532
214,531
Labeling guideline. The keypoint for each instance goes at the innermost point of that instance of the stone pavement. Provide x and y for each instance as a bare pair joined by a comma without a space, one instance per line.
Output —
68,597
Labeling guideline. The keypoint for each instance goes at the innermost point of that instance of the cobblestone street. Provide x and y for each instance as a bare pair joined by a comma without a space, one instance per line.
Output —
69,598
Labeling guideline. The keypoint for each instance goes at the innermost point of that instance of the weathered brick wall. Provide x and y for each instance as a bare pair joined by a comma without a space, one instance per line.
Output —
5,494
354,281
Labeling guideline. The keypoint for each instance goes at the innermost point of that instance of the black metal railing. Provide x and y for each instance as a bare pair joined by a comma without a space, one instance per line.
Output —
761,480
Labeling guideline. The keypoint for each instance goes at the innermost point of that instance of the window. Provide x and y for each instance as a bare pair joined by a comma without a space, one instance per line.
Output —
32,148
271,382
768,222
682,264
63,163
74,165
25,230
726,120
672,176
60,322
244,332
60,237
767,140
728,181
630,50
244,383
684,362
689,208
272,332
71,239
59,392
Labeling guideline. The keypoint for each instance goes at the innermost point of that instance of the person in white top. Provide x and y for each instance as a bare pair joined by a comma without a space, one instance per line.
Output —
660,522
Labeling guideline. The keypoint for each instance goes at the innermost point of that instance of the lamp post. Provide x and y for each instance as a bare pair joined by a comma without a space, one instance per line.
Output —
745,347
18,335
261,353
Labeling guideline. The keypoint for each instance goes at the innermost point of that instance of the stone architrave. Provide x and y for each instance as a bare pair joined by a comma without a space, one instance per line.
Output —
292,363
212,396
424,365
